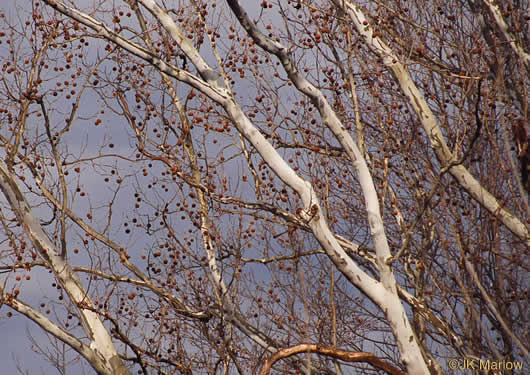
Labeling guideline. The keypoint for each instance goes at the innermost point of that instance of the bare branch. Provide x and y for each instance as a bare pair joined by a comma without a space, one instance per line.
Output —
343,355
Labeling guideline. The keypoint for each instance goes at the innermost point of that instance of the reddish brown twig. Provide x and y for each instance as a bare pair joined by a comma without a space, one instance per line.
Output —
343,355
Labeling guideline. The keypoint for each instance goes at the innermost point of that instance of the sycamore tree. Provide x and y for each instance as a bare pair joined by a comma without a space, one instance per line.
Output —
228,187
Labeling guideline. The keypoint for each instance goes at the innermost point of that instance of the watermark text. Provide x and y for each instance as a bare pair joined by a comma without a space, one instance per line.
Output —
484,364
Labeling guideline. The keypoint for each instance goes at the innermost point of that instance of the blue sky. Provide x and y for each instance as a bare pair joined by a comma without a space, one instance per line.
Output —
15,343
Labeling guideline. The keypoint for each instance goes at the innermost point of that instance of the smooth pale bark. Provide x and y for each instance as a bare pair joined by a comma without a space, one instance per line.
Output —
139,51
429,122
49,326
101,343
508,36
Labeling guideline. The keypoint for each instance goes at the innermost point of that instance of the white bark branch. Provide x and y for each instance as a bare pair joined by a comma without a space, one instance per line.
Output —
214,91
271,157
177,303
390,303
430,124
205,71
503,27
101,341
49,326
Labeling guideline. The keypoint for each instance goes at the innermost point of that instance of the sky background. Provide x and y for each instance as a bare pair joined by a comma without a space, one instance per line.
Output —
15,332
19,335
15,343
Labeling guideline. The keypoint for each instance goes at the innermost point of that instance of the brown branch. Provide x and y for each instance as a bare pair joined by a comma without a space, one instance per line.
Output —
343,355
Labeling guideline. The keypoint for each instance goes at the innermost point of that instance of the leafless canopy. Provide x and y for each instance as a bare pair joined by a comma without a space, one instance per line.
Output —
228,187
